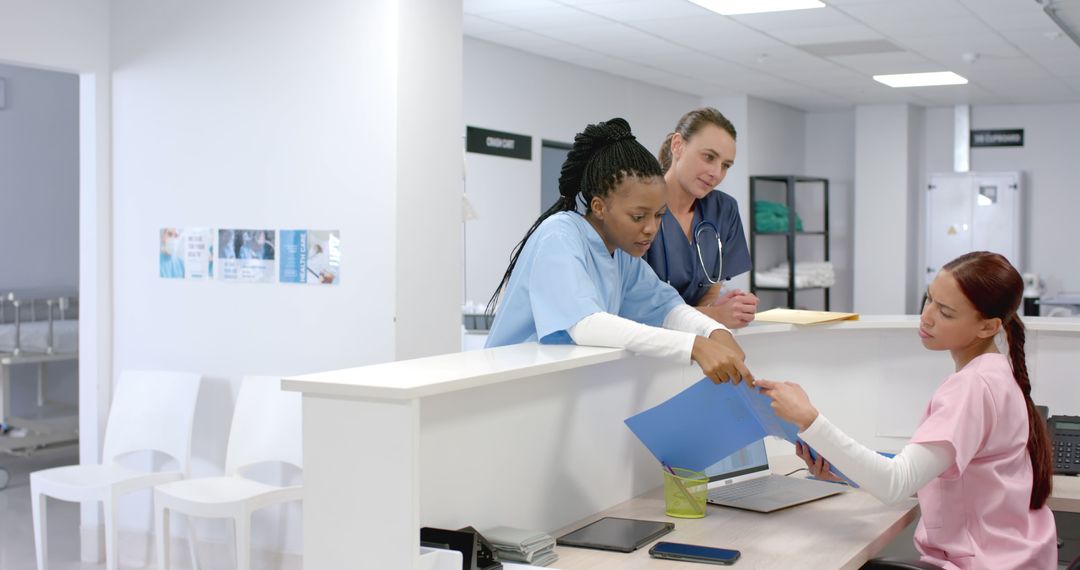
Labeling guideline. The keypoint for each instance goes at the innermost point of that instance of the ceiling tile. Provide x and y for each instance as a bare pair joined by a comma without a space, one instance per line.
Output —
952,46
878,13
708,33
779,59
1012,19
931,26
1062,66
535,43
491,6
1041,44
1044,92
477,25
816,17
885,63
1072,81
542,18
604,32
1015,68
638,48
826,34
646,10
690,62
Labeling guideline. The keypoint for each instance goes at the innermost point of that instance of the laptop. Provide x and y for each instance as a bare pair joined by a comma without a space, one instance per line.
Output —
743,481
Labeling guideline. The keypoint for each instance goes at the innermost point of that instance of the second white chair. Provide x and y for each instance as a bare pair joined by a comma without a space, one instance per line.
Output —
266,427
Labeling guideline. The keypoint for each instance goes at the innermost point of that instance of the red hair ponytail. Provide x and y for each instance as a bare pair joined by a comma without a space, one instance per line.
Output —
996,289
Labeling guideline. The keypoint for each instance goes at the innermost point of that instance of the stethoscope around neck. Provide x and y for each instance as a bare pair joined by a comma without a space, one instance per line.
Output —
703,226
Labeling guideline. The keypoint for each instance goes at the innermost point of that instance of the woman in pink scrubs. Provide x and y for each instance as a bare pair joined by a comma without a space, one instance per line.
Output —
980,459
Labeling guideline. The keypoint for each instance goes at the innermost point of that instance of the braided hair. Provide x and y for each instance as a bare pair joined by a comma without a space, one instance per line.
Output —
603,155
996,289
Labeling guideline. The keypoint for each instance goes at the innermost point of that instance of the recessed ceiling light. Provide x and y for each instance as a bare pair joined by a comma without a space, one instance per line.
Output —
733,7
921,79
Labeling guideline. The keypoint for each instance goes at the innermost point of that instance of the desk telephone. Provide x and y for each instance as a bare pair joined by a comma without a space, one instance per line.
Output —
1065,438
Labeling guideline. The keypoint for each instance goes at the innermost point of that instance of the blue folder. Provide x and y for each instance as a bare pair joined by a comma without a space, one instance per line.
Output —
707,422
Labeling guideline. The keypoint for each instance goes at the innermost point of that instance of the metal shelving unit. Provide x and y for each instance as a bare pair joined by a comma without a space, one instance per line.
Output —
791,183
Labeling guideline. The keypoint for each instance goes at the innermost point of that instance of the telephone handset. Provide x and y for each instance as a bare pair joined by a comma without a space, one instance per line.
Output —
1065,438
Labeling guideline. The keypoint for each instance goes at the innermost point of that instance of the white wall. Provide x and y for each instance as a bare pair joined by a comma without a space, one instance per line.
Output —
1050,184
39,180
72,36
254,115
509,90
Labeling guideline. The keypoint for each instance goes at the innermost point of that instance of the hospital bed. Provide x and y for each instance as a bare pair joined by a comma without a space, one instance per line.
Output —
36,330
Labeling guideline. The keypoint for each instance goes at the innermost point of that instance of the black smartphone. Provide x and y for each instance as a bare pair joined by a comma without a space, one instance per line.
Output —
693,553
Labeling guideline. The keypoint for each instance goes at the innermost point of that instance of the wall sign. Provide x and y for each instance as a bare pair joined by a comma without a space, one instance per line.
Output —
997,137
498,143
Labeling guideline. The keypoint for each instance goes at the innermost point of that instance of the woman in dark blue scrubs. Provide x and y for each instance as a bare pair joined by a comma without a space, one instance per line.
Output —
701,243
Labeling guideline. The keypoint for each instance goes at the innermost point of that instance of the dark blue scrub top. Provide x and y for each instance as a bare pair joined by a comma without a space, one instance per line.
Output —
682,268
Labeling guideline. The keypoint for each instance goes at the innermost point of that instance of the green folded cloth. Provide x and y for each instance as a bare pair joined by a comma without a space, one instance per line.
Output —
773,217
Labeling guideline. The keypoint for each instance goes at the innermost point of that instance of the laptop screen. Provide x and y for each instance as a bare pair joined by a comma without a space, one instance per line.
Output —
749,459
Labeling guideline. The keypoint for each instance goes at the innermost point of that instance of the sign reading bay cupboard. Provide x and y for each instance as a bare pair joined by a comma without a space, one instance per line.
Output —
485,141
997,137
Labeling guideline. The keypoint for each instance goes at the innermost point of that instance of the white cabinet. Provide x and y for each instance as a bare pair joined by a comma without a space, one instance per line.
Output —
973,212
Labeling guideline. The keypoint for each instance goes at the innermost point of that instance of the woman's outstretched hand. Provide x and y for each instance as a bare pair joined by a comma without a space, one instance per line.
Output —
790,402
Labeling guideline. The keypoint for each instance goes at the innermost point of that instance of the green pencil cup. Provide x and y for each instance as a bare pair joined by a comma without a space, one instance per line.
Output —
684,493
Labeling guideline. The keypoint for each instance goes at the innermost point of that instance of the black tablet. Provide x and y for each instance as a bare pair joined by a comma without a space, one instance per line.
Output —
621,535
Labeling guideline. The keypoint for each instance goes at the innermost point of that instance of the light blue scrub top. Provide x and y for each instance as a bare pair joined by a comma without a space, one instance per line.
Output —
172,266
675,259
564,274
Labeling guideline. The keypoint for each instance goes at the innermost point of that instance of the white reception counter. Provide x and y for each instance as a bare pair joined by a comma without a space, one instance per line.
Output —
532,436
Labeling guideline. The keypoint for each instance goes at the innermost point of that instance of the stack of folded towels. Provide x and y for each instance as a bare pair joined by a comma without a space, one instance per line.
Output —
517,545
807,274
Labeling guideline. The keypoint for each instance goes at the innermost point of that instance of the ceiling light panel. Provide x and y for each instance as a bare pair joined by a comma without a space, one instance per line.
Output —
926,79
735,7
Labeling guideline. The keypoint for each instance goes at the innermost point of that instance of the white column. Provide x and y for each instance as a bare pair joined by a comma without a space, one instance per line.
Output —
95,288
885,239
430,160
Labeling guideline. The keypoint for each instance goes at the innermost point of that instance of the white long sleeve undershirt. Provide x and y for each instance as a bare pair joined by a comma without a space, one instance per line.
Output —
888,479
675,341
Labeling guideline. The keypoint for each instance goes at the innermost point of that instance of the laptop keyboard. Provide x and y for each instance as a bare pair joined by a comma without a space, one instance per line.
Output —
742,490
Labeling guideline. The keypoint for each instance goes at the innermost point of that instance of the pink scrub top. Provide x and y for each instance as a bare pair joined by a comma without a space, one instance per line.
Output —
975,514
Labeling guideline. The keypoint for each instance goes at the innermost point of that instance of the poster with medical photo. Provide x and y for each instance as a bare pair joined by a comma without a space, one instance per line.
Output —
186,253
247,256
311,256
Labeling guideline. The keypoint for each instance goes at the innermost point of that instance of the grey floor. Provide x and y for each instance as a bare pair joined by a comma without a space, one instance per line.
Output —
16,528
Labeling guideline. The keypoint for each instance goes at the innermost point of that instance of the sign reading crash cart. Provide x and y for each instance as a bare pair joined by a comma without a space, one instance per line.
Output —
498,143
997,137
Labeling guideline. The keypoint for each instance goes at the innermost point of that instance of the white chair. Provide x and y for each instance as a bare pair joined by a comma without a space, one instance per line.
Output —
151,411
266,428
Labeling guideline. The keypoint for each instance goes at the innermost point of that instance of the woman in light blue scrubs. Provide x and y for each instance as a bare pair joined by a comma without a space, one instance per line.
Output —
579,278
701,243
